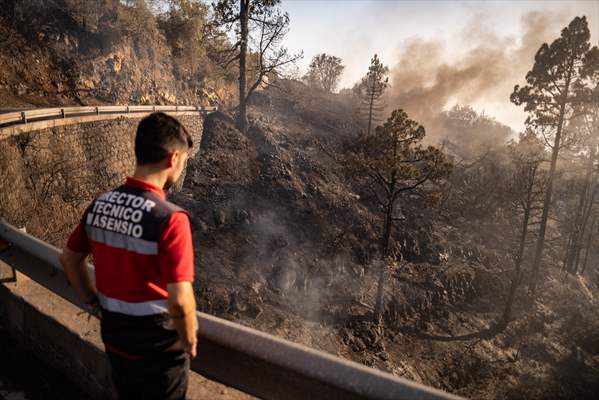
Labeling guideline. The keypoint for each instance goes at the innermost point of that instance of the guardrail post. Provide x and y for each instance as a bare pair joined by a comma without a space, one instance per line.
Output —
4,245
12,278
62,112
127,109
97,111
24,117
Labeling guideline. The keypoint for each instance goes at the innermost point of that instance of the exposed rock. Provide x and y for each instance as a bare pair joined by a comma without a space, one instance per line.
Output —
242,217
219,218
202,227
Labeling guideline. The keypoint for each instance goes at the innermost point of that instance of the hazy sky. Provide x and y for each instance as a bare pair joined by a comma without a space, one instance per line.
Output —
354,30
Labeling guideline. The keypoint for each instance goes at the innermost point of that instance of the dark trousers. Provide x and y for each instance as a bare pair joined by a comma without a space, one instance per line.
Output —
163,376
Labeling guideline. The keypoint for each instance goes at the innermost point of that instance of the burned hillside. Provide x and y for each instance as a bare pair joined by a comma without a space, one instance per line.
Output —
288,245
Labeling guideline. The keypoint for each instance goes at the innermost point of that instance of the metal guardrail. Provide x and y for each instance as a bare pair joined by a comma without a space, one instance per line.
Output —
246,359
39,114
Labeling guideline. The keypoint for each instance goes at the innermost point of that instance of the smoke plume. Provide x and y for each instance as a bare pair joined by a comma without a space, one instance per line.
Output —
424,83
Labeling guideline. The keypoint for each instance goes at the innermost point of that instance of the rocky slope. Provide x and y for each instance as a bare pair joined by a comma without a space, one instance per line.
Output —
48,60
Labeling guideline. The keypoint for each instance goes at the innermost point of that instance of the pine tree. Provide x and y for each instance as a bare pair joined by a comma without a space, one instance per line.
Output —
391,163
587,122
258,59
549,98
524,191
371,91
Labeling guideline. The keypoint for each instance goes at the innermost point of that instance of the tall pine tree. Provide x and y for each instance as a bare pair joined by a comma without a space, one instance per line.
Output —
371,91
549,99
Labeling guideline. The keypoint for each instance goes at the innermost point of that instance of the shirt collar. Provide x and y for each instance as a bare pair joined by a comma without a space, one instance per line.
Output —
146,186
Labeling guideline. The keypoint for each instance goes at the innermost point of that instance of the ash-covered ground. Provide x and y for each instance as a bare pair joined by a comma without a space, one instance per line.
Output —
285,244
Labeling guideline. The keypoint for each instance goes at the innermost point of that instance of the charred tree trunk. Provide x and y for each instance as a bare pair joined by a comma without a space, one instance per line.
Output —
545,215
507,311
385,241
573,251
567,252
585,220
386,238
244,18
370,108
588,245
549,190
517,278
573,241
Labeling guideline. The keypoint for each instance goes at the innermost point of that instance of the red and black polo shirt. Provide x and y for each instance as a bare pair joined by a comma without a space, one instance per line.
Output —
139,242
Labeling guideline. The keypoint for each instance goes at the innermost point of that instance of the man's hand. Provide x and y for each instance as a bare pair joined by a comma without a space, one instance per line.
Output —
189,348
182,310
75,268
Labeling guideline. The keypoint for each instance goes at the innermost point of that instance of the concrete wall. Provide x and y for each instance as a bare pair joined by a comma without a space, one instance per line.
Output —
50,170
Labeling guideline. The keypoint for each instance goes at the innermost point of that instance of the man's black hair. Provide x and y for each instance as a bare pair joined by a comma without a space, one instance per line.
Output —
158,135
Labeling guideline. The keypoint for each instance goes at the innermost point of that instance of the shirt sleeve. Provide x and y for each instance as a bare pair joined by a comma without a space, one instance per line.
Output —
176,250
78,241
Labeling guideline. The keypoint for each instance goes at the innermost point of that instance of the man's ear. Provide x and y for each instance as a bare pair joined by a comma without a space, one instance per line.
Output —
172,158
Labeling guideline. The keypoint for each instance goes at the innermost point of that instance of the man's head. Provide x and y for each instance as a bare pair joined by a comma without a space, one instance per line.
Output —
162,144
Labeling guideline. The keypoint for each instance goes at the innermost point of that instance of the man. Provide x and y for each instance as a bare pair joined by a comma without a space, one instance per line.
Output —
143,256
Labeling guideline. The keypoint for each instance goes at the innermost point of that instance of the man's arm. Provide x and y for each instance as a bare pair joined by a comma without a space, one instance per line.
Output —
177,269
182,309
76,269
